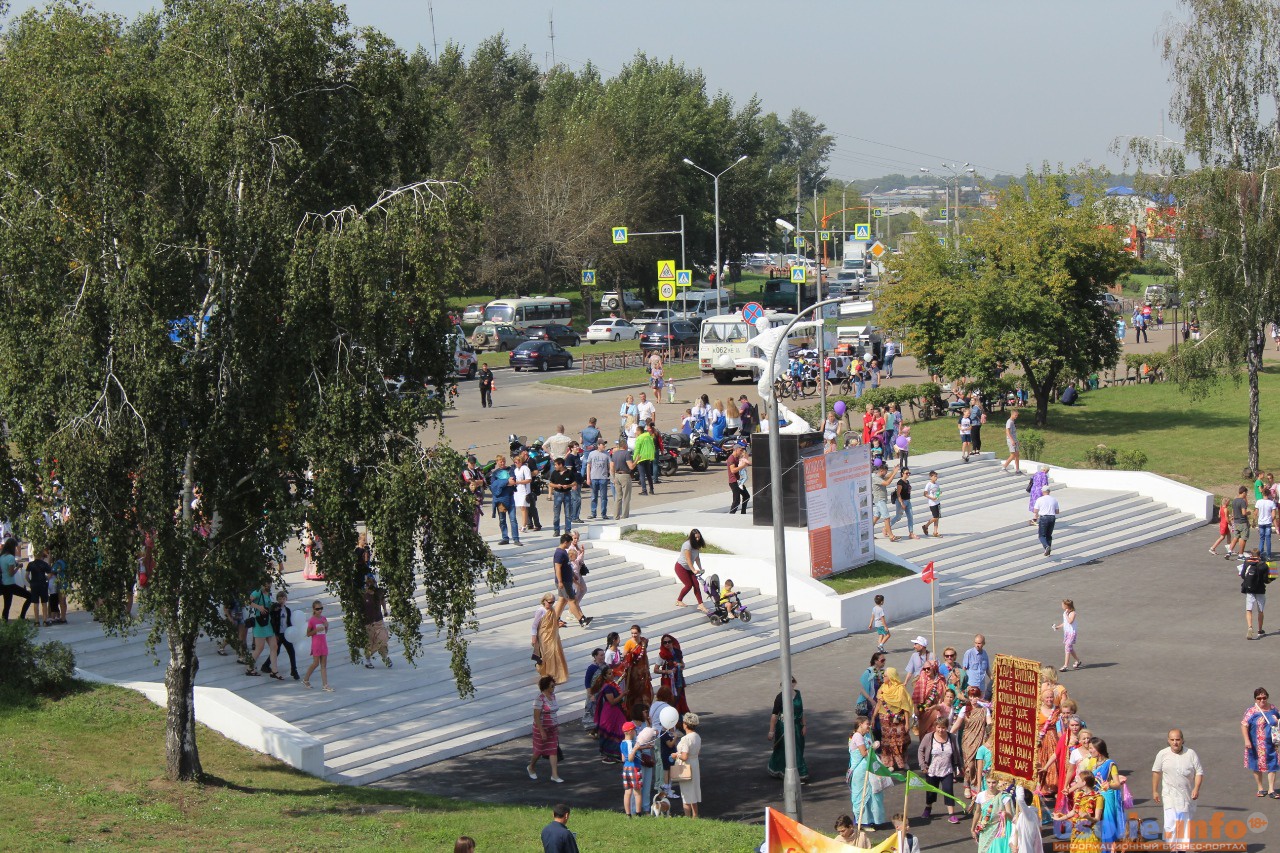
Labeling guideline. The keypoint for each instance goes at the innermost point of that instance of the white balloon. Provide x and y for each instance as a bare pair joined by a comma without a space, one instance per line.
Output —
297,632
669,716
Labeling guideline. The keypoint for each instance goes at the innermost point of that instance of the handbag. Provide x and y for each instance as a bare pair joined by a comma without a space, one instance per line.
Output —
1030,481
680,772
261,619
646,759
584,571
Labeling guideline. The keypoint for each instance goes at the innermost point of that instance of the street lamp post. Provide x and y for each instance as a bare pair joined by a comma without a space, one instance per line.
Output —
790,776
715,180
953,213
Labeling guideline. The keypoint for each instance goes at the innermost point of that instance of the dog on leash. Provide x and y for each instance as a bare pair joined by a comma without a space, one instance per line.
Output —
661,805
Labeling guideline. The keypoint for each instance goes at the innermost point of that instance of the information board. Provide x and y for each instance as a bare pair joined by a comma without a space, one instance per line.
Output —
838,495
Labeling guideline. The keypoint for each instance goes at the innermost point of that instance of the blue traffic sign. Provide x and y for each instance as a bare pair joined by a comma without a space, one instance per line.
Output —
752,312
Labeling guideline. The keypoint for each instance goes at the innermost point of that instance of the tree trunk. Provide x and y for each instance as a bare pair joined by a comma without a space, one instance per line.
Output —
1253,359
182,758
1042,390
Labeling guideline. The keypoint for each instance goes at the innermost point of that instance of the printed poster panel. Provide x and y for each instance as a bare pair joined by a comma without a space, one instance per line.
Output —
838,496
1017,681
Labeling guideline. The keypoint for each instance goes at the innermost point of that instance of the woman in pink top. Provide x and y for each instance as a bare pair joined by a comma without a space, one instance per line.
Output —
318,630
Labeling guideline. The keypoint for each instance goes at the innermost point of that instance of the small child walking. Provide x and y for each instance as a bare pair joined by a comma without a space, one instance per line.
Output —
879,624
1068,626
317,630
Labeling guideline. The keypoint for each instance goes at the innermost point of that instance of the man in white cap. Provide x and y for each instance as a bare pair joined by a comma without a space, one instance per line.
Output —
919,658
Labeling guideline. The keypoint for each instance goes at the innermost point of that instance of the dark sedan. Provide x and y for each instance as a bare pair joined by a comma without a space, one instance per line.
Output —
663,336
540,355
562,335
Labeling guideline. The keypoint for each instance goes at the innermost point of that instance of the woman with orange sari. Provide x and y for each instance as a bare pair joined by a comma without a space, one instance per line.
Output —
638,686
1047,715
893,709
973,724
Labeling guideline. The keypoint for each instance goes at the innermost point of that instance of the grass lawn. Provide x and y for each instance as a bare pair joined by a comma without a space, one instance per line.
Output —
1200,442
667,541
616,378
872,574
87,771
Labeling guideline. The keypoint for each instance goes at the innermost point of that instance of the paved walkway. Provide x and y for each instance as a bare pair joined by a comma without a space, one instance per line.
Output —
1146,673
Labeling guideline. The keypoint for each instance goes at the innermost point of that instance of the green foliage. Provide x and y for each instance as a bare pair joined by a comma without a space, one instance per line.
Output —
1023,291
27,666
1032,443
1100,457
1131,460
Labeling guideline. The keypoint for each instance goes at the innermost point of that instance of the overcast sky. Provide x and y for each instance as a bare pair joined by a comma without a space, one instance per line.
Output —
1002,84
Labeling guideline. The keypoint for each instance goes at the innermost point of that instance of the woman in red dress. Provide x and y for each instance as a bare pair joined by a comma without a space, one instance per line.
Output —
868,419
672,671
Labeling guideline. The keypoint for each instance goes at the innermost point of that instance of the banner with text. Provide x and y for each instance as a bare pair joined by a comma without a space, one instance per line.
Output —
1017,681
837,490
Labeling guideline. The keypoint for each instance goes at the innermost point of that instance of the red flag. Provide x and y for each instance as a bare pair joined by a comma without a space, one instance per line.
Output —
927,574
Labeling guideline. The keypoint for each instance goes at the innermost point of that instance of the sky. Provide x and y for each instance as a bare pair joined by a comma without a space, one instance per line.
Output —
900,84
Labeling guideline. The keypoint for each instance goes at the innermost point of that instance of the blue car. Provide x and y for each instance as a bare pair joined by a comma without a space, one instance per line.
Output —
540,355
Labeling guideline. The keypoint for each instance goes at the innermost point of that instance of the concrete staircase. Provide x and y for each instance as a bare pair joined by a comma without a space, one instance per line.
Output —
378,723
987,542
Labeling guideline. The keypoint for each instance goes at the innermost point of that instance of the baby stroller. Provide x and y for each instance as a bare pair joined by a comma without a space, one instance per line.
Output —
720,612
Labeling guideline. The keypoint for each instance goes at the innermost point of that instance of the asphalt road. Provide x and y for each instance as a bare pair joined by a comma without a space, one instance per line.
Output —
1145,673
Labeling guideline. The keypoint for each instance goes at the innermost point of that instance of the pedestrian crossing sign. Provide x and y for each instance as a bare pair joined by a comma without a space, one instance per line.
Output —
862,231
588,278
666,270
824,235
878,212
619,235
799,241
797,275
684,278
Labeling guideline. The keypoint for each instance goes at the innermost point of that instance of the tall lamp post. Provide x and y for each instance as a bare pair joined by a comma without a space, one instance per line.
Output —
953,213
715,180
790,776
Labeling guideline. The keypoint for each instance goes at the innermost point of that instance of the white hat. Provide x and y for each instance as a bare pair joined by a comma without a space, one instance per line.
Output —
921,641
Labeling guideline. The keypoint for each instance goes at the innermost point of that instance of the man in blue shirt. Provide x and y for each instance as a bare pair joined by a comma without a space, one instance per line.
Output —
590,435
978,665
556,837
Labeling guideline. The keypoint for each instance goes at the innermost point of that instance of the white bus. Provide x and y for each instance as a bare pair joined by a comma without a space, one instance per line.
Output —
723,340
529,311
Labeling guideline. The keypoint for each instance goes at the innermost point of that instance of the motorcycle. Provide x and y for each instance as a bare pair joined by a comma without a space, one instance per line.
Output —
682,448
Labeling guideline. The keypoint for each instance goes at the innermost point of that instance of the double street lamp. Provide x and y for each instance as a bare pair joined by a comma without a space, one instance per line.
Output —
957,172
715,179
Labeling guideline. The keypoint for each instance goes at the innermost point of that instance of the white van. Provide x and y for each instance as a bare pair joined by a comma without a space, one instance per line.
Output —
698,305
723,340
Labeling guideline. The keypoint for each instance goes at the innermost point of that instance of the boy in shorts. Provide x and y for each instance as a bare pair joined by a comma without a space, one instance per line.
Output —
879,624
933,494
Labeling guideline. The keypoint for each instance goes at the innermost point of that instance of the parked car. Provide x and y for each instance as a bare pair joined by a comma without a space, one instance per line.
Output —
655,315
613,300
612,329
540,355
498,337
661,336
1110,302
563,335
473,315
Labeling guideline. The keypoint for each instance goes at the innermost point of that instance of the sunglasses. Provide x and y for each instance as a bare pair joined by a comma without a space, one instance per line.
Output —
317,608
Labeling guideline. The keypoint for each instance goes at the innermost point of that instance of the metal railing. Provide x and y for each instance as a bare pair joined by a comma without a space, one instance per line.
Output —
632,359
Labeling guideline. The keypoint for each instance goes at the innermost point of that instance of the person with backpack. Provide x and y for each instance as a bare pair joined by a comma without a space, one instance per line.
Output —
1254,577
502,487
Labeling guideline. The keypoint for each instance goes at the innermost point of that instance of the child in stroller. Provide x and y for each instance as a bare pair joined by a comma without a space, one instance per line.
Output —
720,612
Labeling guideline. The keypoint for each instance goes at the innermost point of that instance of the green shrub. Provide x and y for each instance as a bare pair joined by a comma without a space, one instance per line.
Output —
1131,460
27,666
1032,444
1100,457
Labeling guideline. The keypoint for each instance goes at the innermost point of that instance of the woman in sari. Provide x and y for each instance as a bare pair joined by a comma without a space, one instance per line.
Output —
778,758
1049,676
638,686
992,820
1068,740
546,641
672,671
1047,715
868,803
1259,751
972,724
893,709
609,718
1111,823
929,695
